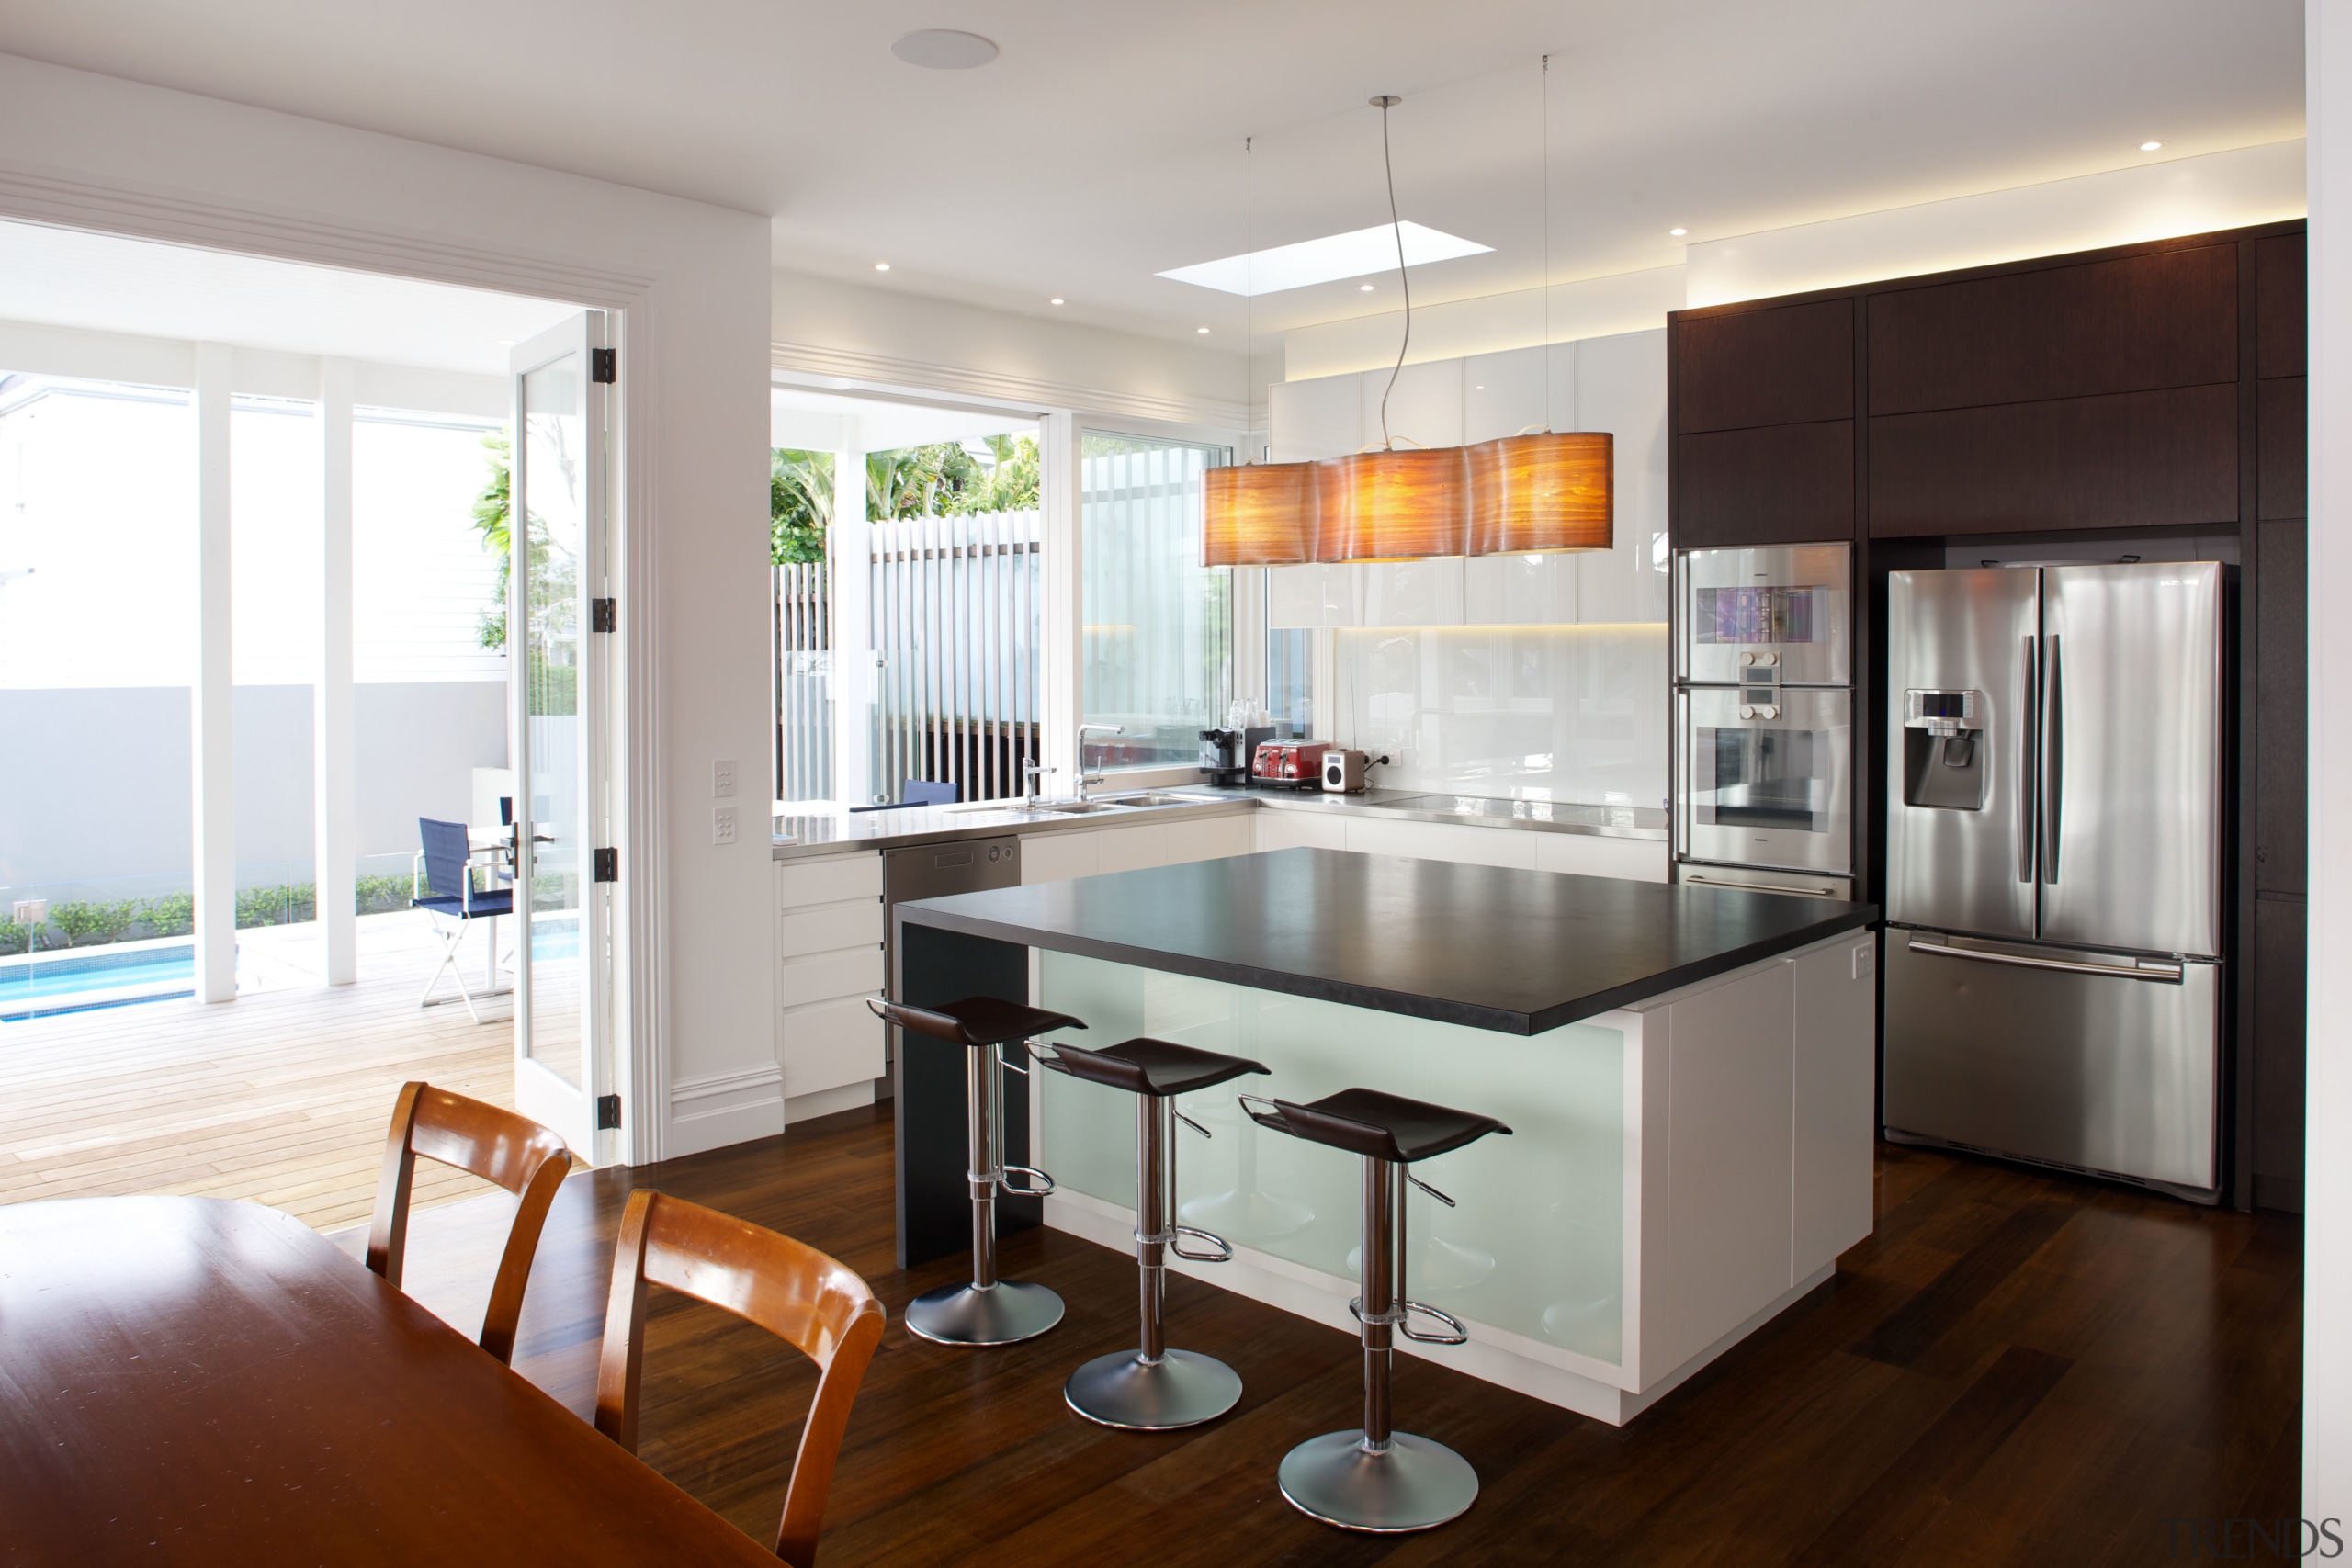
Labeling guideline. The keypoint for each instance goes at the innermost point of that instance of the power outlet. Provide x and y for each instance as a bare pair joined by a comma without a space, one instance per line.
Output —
722,825
1865,959
722,779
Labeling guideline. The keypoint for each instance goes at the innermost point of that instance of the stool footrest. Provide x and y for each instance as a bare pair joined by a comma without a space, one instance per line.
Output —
1047,1190
1223,1254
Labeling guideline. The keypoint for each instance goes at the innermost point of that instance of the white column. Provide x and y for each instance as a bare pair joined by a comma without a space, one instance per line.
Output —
213,771
852,556
2327,1193
334,811
1065,632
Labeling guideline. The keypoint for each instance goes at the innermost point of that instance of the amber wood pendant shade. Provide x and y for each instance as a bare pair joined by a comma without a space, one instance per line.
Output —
1520,494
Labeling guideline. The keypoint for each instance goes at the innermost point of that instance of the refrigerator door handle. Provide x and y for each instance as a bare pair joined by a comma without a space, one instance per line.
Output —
2026,688
2053,763
2169,974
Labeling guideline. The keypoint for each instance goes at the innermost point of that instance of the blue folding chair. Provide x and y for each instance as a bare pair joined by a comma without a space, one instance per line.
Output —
448,895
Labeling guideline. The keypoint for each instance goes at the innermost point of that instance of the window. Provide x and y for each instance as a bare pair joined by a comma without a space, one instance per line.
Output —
1158,649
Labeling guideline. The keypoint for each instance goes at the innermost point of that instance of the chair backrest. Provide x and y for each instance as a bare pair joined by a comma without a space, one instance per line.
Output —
447,851
495,1144
923,792
793,1291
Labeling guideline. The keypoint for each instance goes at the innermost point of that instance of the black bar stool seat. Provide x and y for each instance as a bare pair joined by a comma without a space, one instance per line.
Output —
989,1311
978,1021
1145,1065
1378,1479
1153,1388
1381,1126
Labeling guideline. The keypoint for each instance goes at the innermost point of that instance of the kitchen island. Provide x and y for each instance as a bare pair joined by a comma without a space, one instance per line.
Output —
1689,1072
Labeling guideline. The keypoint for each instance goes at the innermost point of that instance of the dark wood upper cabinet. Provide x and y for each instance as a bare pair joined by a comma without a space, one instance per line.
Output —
2130,325
2144,460
1789,364
2280,336
1779,485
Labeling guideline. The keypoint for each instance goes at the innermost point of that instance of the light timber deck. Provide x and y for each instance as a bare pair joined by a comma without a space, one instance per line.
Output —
281,1096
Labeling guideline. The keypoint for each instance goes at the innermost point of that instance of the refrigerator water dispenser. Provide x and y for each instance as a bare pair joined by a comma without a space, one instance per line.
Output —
1946,754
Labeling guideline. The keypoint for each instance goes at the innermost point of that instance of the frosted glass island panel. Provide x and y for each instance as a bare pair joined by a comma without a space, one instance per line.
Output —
1536,1248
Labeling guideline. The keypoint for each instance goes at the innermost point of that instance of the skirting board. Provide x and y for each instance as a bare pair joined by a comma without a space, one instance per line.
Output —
825,1101
1489,1355
727,1108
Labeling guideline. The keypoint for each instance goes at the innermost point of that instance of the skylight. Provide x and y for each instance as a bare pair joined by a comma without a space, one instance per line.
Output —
1326,260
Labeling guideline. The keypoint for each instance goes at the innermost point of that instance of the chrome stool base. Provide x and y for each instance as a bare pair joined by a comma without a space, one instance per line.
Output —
1417,1484
1003,1313
1183,1388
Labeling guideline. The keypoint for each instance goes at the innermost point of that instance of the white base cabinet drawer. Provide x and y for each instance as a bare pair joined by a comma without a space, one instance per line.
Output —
1277,830
831,879
1636,860
1440,840
827,976
829,1046
799,932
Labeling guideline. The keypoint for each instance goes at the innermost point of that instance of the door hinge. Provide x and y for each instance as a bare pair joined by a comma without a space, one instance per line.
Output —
608,1112
604,614
604,365
609,865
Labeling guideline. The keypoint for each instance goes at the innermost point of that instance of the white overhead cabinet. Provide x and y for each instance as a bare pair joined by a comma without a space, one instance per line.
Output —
1616,384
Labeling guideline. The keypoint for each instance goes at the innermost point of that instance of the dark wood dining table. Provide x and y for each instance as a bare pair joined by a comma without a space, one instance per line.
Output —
188,1380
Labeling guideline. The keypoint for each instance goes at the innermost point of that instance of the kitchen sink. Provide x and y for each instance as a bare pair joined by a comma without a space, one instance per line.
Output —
1162,797
1081,807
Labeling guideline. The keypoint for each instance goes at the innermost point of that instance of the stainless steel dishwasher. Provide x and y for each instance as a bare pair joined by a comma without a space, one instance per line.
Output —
935,870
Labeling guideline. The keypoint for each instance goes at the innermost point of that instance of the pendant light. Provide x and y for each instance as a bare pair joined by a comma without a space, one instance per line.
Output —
1522,495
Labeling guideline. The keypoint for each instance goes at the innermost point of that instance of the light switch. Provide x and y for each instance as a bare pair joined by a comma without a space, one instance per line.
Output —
722,779
722,825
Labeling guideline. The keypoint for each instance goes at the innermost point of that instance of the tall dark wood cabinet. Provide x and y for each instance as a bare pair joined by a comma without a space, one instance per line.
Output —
2149,392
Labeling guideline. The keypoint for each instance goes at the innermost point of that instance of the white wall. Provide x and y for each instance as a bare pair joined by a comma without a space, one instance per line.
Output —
2119,207
881,336
2327,1193
94,152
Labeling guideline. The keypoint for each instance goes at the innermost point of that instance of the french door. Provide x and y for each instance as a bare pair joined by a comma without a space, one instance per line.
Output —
557,668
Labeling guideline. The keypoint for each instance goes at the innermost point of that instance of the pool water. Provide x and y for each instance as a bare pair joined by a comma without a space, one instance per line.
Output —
80,982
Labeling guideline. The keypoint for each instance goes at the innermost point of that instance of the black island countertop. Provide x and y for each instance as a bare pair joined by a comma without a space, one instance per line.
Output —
1521,952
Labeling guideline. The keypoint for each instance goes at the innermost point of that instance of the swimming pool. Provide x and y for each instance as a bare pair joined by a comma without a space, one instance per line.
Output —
49,984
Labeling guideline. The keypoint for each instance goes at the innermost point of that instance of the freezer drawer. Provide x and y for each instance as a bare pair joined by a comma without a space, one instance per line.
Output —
1765,777
2103,1062
1779,616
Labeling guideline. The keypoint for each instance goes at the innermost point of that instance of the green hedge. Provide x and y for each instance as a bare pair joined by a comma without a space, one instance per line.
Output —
97,922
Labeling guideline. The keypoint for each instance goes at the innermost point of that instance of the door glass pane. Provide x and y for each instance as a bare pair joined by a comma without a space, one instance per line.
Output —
553,501
1158,624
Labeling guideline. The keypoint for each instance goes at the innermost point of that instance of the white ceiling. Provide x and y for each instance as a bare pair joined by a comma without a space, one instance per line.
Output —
1103,145
62,277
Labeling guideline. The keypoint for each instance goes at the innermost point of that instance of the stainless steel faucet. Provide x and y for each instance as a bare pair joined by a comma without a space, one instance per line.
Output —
1085,778
1031,776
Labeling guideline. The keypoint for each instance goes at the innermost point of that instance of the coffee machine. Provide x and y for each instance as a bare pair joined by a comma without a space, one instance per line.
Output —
1225,753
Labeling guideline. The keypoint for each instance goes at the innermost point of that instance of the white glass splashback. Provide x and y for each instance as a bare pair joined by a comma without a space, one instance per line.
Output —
1537,1247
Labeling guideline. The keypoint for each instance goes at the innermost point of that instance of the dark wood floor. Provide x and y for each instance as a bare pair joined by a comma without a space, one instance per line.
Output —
2017,1368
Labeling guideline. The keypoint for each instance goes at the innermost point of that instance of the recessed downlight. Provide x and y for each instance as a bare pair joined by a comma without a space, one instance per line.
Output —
1200,329
1677,233
943,49
1364,287
881,266
1055,301
2151,146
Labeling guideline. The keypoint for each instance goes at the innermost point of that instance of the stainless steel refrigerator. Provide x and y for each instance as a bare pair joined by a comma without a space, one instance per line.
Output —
2054,800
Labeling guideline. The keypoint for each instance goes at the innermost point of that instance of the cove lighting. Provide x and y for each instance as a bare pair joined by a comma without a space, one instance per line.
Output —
1326,260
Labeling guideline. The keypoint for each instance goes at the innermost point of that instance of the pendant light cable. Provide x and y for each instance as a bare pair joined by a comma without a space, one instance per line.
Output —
1249,290
1388,101
1547,243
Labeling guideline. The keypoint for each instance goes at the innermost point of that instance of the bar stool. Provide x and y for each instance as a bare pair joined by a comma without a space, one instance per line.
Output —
1155,1389
1379,1480
989,1311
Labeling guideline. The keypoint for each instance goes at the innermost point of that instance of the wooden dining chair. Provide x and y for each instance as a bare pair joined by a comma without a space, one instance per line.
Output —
495,1144
791,1290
